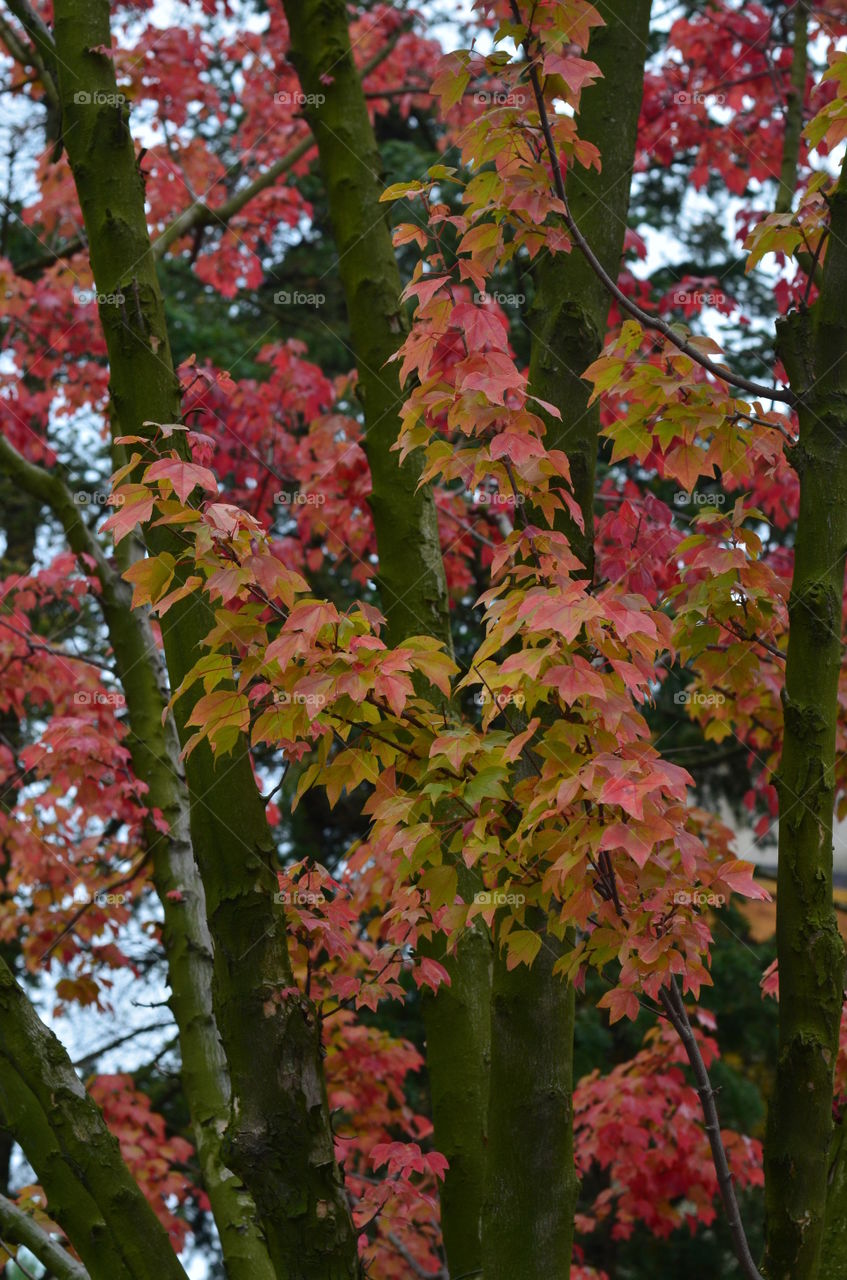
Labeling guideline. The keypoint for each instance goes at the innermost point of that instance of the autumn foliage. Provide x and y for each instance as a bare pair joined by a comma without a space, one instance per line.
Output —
533,755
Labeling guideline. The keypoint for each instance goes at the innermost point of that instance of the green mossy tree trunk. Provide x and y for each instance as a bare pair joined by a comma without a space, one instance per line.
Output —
279,1140
90,1191
411,577
570,310
531,1184
813,347
154,749
834,1245
794,107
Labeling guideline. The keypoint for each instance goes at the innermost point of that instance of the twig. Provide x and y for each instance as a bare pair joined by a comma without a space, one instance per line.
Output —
785,396
199,214
674,1007
21,1228
116,1043
77,915
410,1261
34,646
468,528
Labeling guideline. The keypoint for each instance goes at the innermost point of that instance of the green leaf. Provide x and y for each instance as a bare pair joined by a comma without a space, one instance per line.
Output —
442,883
523,946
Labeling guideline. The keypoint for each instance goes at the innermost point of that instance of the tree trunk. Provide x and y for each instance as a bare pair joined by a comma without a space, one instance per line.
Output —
90,1191
813,347
279,1140
834,1247
531,1184
187,944
411,573
570,310
411,577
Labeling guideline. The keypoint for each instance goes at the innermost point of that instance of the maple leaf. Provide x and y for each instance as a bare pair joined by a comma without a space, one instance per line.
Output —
522,947
150,578
620,1003
184,477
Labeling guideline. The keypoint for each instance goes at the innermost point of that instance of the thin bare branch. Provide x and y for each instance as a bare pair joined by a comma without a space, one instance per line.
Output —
674,1007
783,395
20,1228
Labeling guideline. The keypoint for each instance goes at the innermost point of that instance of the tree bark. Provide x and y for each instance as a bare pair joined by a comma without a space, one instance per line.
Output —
154,748
795,103
90,1191
531,1183
411,576
570,310
411,572
813,348
18,1227
279,1139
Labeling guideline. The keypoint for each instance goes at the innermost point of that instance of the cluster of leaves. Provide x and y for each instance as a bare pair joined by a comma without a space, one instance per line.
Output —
558,797
641,1124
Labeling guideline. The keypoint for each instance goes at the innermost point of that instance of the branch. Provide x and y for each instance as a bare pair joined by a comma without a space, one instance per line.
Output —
14,44
403,91
384,49
651,322
82,1063
678,1016
19,1227
199,214
468,528
415,1266
35,26
42,52
34,646
46,259
794,104
81,910
54,493
91,1192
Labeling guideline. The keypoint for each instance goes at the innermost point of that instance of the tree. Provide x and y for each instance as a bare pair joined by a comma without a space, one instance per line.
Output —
271,632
